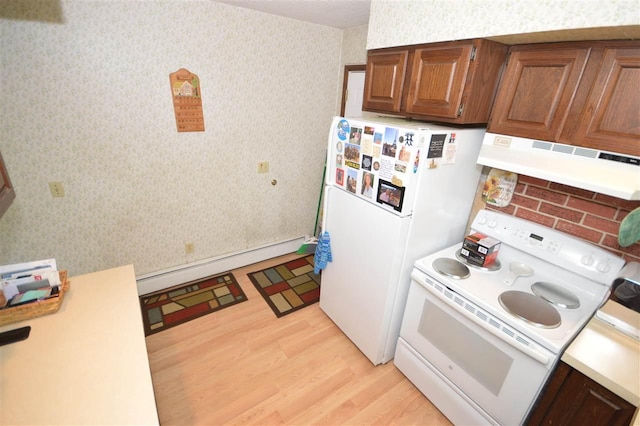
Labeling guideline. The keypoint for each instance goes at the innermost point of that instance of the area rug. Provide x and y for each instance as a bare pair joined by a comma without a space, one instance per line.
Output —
288,287
177,305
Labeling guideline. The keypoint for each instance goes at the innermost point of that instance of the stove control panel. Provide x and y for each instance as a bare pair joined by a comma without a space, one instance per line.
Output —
535,240
551,245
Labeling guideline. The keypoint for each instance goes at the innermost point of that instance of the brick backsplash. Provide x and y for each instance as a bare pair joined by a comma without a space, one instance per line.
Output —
588,215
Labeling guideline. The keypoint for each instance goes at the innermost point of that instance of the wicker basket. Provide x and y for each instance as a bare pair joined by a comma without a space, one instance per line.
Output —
10,315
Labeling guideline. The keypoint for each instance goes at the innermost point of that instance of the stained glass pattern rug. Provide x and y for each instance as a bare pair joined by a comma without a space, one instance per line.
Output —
288,287
177,305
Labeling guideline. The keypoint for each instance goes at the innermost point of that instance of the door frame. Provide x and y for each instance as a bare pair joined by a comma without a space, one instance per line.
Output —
347,70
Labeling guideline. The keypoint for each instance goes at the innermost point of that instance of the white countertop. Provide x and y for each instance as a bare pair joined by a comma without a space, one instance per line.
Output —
608,357
85,364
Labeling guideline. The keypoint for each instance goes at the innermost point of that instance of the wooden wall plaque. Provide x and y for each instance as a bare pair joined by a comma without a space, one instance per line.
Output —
187,101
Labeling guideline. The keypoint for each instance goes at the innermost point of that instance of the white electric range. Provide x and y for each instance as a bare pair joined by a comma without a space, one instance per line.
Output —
480,343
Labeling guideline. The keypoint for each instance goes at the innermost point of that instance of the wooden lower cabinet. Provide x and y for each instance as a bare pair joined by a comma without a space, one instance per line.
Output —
571,398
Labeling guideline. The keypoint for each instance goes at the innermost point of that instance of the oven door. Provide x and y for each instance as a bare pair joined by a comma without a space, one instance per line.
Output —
483,364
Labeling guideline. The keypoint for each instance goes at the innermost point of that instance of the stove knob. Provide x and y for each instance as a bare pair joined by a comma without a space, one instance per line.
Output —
587,260
482,220
493,223
603,267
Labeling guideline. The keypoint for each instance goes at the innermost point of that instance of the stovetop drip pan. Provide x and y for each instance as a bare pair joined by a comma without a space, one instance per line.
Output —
530,308
555,295
451,268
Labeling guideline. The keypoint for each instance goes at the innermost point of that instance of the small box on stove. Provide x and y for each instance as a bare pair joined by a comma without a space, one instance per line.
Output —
479,249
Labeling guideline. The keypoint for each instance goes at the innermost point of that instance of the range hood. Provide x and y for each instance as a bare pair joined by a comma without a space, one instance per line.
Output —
617,175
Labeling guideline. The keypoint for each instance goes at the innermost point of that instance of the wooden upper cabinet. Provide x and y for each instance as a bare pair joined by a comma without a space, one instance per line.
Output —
610,119
455,81
536,91
437,80
7,194
577,93
451,82
384,81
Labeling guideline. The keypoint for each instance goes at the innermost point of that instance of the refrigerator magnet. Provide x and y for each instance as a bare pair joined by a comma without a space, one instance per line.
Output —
377,138
352,180
366,162
352,156
405,154
408,139
450,150
390,142
367,143
355,136
343,130
368,181
390,194
435,150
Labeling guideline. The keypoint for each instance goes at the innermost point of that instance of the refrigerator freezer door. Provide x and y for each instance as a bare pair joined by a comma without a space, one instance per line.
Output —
377,161
359,286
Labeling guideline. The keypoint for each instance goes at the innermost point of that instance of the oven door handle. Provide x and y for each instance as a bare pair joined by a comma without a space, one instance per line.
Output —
541,358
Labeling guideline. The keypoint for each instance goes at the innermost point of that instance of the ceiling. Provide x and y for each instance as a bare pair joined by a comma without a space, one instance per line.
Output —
330,13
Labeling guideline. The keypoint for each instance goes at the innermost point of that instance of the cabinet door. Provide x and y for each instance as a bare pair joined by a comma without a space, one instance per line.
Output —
384,81
571,398
536,91
611,116
437,80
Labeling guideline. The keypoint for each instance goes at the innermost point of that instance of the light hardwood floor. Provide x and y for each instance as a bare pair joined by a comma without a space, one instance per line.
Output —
242,365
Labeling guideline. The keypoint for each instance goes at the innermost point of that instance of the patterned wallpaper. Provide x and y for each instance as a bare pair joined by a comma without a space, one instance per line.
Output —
403,22
86,101
354,45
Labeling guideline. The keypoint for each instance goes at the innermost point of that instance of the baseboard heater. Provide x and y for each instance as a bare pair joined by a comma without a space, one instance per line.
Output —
159,280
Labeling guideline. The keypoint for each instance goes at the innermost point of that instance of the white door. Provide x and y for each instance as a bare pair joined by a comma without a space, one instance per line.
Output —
359,285
354,94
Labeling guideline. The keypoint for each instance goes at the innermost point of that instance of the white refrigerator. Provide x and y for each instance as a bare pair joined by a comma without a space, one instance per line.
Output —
395,191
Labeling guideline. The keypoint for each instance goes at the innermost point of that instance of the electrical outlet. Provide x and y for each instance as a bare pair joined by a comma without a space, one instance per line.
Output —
56,188
189,248
263,167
